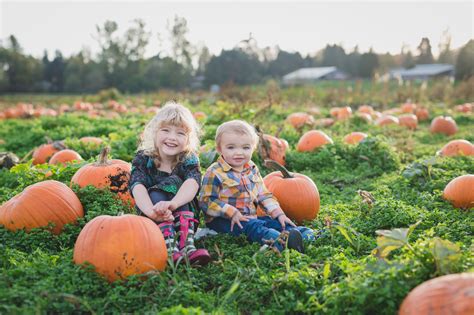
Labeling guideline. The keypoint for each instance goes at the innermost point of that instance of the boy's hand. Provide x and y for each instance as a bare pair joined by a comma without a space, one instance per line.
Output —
236,218
283,219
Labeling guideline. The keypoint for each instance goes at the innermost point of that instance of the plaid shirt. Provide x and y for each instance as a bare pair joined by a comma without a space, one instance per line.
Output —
224,190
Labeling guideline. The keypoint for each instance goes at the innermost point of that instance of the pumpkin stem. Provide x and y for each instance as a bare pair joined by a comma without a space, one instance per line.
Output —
278,167
103,157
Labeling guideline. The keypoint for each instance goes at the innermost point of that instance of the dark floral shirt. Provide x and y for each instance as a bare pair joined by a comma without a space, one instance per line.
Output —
145,172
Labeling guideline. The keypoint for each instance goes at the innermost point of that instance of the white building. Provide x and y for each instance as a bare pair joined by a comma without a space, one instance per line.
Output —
311,75
423,72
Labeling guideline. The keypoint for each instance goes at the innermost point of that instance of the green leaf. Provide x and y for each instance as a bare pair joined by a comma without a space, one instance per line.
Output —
345,233
390,240
445,254
326,271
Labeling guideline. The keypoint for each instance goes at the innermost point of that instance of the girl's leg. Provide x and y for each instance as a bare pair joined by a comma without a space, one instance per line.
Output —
166,227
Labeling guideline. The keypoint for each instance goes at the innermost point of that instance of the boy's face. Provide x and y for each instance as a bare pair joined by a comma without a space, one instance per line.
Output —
236,149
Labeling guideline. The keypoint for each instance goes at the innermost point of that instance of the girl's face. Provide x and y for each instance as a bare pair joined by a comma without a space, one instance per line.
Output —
171,140
236,149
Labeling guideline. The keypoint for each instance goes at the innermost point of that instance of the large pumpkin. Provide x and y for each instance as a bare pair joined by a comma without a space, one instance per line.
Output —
45,151
273,148
296,193
451,294
121,246
311,140
460,191
112,174
40,204
457,147
446,125
65,156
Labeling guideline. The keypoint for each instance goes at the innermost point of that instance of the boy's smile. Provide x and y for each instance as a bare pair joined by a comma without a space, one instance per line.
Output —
236,149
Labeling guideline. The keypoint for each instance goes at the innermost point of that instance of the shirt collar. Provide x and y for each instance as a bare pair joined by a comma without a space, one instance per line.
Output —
226,167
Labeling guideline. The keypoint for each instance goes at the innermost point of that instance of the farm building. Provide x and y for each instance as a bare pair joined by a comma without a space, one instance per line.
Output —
423,72
311,75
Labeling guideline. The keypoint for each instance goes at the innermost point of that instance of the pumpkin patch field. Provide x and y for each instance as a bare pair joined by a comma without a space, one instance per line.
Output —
384,177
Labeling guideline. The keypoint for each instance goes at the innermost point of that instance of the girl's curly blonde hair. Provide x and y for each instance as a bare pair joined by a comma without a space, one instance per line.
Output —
173,114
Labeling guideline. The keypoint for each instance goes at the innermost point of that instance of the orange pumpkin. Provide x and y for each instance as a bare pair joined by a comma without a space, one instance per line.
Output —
446,125
355,137
422,113
464,108
460,192
386,120
451,294
324,122
296,193
344,113
121,246
39,204
366,109
457,147
270,147
93,140
298,120
45,151
311,140
408,120
334,111
64,156
200,116
112,174
408,108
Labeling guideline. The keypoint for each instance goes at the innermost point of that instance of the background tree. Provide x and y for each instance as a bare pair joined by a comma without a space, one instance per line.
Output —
285,63
369,62
446,55
464,62
425,55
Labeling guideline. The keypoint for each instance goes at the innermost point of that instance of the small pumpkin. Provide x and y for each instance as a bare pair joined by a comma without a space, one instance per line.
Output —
451,294
94,140
457,147
355,137
105,173
365,116
311,140
408,120
386,120
460,192
64,156
39,204
408,108
422,113
296,193
344,113
200,116
298,120
45,151
366,109
121,246
445,125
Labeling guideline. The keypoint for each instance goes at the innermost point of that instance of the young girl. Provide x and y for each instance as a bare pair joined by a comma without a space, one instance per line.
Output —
166,178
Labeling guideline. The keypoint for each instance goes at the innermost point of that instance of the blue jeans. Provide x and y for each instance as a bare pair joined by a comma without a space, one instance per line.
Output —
258,230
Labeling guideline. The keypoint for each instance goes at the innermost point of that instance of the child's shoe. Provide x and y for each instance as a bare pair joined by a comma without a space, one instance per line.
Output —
177,257
199,257
295,241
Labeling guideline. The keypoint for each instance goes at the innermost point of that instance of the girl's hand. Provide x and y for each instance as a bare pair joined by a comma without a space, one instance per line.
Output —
283,219
165,205
236,218
162,215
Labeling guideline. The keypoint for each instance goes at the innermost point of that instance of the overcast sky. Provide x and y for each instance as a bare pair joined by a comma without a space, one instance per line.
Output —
305,26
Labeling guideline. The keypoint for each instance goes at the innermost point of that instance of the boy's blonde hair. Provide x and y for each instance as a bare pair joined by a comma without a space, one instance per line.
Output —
239,127
173,114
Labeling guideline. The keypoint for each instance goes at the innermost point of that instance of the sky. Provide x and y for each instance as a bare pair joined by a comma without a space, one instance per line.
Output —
304,26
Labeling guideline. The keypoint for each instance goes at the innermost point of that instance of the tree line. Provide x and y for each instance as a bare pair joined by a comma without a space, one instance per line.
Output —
121,63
